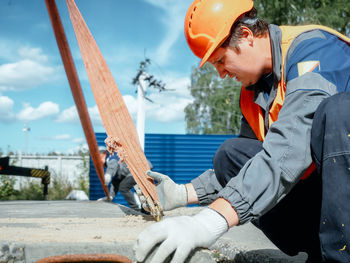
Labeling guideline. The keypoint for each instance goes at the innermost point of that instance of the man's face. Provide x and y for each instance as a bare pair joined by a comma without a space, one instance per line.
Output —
241,64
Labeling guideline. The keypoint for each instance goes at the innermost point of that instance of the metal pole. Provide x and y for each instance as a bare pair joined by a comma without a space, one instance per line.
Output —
76,89
141,109
26,130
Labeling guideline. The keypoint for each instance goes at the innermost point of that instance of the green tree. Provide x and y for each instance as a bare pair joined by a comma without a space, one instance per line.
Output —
215,109
32,190
332,13
6,187
82,182
59,188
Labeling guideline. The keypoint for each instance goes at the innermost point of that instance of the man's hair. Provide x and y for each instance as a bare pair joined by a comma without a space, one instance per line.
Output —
259,27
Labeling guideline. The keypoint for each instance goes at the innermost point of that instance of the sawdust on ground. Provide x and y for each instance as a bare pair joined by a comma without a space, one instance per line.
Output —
120,229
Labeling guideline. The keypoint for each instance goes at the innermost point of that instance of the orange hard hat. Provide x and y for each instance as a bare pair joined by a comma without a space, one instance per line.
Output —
208,24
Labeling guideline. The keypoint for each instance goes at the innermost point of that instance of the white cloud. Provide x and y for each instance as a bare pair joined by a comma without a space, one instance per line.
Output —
6,106
25,67
78,140
6,47
70,115
169,106
62,137
173,21
28,113
24,74
82,147
95,115
167,112
12,50
131,104
34,54
179,85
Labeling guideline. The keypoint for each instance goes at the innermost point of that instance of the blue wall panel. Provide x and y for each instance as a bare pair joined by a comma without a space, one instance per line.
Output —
182,157
96,190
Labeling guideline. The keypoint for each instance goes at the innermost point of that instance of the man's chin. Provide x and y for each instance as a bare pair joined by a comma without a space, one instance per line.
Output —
248,83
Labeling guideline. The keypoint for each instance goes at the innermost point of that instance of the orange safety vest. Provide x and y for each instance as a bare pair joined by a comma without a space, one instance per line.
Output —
253,112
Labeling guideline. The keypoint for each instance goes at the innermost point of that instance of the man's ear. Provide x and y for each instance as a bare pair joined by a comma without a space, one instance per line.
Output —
247,34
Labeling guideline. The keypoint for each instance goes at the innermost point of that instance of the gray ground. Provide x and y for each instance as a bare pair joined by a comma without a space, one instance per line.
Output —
31,230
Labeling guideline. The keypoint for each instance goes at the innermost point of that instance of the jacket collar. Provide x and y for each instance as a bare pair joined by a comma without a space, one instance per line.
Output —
276,40
268,83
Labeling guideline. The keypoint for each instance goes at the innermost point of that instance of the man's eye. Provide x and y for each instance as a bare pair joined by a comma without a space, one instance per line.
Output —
220,61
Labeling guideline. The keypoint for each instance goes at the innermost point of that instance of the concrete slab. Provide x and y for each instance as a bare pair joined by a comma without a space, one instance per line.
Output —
31,230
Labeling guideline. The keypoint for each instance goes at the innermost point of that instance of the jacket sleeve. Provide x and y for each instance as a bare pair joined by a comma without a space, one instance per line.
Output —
123,170
112,167
207,187
286,151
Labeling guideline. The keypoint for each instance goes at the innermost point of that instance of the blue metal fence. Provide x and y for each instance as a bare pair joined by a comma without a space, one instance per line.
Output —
182,157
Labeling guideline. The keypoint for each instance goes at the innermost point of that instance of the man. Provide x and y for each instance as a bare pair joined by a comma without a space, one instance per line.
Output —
118,174
288,171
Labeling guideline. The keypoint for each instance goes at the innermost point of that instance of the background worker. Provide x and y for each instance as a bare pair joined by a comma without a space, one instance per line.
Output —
295,104
118,174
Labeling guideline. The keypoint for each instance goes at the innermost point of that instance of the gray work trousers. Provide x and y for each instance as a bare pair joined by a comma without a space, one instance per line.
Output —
124,185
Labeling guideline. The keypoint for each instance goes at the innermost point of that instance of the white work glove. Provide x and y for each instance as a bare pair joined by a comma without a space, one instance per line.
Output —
111,192
171,195
111,195
182,234
108,178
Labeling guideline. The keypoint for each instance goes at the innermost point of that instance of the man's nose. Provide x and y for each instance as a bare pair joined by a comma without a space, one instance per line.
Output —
222,72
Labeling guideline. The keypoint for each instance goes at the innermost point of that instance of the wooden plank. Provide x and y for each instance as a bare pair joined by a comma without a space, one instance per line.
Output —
114,113
77,92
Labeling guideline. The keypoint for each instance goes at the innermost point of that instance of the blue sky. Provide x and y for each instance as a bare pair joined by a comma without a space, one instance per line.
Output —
34,90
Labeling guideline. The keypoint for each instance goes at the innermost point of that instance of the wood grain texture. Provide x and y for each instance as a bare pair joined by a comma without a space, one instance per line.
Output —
114,113
77,92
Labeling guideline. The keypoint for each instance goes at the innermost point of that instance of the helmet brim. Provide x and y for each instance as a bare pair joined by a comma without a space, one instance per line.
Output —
226,29
220,38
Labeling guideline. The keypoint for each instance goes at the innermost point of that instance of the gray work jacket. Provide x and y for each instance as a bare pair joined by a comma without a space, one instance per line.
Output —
270,175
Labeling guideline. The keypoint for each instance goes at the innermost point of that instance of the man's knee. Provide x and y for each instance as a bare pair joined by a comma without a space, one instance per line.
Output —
231,157
334,107
123,186
330,126
126,184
